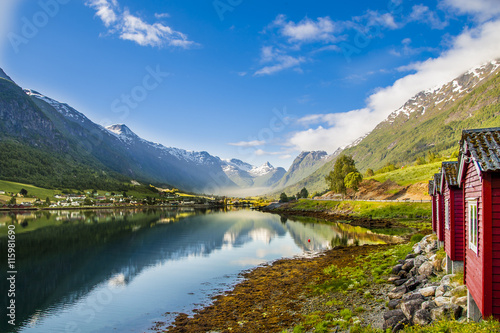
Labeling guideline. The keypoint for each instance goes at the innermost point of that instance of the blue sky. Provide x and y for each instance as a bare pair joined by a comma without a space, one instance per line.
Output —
254,80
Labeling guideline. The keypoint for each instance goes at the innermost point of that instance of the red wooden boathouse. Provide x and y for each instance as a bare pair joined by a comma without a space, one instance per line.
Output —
453,217
479,177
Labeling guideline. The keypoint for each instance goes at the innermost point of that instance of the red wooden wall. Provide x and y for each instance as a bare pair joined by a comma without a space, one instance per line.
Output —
474,265
454,236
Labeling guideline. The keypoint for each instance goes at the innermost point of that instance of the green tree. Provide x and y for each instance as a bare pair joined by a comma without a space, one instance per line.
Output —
23,192
304,193
344,165
420,160
283,197
369,172
12,201
352,181
47,201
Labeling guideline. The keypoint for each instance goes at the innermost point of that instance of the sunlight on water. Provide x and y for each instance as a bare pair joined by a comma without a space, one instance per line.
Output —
122,270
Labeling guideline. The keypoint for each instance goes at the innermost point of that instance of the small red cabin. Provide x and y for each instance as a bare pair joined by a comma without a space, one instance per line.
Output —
439,209
433,205
479,177
453,217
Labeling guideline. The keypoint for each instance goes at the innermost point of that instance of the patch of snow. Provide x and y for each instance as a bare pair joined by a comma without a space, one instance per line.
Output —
262,170
62,108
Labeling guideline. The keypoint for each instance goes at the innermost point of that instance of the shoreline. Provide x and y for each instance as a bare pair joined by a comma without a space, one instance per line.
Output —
105,207
274,297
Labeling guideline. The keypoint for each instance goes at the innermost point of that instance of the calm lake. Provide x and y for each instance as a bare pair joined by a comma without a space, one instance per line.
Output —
122,270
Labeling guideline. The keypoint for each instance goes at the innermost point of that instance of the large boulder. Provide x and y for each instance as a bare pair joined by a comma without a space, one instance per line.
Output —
395,320
396,269
393,304
410,307
428,291
419,260
460,301
397,292
426,269
408,265
441,290
440,301
447,311
422,317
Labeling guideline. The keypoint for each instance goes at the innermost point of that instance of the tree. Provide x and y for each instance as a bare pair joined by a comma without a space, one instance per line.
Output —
47,201
12,201
344,165
304,193
283,197
23,192
369,172
352,180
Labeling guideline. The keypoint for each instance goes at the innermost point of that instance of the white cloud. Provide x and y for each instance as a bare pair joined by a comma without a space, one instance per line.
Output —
472,48
481,9
162,15
253,143
260,152
278,61
133,28
423,14
306,30
372,18
106,10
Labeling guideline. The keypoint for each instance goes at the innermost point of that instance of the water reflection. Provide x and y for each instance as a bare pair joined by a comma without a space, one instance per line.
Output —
67,260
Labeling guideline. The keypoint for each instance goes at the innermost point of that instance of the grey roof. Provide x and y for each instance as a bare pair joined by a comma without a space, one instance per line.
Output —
437,182
450,170
484,147
431,187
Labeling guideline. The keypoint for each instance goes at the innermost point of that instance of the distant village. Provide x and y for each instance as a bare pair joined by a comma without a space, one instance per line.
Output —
111,199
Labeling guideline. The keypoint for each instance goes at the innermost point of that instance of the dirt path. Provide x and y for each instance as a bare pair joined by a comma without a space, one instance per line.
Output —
274,297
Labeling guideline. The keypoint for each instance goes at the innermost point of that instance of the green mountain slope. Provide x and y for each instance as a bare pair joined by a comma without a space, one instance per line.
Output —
431,121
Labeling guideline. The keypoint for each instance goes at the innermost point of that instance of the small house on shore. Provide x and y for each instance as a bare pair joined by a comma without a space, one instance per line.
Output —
479,177
453,217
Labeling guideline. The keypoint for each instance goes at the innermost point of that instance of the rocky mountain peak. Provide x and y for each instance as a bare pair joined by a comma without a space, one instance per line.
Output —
122,132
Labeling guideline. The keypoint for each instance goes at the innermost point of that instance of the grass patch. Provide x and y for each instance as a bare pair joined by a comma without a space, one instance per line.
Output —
410,174
408,210
416,238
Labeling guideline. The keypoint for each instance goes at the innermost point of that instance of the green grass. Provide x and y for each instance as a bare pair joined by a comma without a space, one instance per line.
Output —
39,192
410,174
367,208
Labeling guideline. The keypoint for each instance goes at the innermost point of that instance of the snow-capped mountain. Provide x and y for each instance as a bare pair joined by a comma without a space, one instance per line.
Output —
247,175
62,108
430,121
442,97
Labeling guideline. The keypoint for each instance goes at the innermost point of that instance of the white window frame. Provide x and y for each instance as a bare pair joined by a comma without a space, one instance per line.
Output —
447,216
472,224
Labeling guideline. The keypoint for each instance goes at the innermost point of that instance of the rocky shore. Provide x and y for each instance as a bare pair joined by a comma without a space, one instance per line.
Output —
422,293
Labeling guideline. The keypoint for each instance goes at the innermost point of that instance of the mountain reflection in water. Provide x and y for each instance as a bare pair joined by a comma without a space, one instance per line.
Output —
136,265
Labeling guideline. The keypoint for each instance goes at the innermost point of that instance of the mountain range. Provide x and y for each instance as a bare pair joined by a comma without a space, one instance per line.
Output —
50,144
66,140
